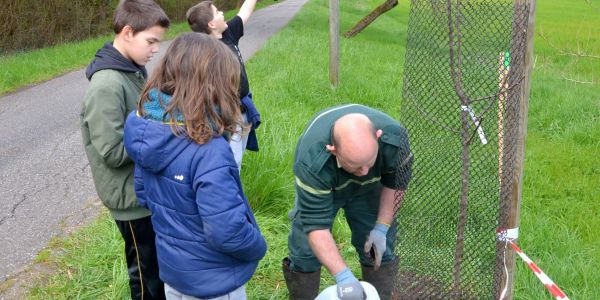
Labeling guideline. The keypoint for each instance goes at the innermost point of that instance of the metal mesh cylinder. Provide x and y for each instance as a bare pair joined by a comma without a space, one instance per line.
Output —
463,77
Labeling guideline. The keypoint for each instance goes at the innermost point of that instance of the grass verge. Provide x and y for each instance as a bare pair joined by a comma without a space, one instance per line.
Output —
30,67
289,78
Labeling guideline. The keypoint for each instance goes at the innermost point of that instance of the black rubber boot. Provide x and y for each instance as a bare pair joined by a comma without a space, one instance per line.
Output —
383,279
301,286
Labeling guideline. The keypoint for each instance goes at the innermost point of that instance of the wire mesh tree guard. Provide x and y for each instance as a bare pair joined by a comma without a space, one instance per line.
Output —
466,84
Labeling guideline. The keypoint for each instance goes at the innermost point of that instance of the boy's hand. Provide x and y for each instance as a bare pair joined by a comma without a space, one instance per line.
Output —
246,10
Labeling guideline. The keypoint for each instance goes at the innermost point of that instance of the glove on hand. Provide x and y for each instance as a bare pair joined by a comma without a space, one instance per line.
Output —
377,242
348,287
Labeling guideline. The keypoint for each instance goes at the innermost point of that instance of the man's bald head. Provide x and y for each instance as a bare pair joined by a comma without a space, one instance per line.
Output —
355,143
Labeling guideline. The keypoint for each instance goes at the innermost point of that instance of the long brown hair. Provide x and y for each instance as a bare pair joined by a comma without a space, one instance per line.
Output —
202,76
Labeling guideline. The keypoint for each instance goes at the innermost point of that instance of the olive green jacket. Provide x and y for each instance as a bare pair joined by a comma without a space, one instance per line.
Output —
112,94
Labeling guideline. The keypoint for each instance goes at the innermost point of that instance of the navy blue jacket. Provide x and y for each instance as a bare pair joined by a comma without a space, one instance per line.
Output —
254,119
207,239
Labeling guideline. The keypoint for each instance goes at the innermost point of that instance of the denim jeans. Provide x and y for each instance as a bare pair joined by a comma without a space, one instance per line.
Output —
239,140
173,294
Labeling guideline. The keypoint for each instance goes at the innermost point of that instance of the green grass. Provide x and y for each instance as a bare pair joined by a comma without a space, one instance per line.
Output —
26,68
84,270
30,67
289,79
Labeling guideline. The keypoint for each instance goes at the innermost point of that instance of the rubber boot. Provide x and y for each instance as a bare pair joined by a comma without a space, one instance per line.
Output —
301,286
383,279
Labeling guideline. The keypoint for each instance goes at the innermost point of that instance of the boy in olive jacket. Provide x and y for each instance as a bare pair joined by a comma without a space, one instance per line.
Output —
117,75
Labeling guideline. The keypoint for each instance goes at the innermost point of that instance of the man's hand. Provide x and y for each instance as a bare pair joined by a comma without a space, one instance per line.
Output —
377,243
348,287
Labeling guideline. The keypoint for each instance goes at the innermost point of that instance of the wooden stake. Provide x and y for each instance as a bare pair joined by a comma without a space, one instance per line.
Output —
334,42
516,184
503,68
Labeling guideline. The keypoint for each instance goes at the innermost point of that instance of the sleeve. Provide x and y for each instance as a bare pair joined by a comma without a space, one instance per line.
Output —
398,160
235,29
314,200
229,224
404,170
105,114
138,183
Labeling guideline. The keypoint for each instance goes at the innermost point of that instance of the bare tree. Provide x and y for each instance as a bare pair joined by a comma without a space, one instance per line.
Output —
581,53
367,20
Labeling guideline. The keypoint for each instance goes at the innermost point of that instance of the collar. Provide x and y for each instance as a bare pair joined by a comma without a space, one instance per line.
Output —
338,162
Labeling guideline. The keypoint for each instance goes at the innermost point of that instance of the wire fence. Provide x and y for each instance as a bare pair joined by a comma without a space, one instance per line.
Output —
464,71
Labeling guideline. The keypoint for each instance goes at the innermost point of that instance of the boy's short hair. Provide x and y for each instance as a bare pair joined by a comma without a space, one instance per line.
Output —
140,15
199,15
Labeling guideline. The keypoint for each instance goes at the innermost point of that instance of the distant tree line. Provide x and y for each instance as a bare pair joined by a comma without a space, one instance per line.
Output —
32,24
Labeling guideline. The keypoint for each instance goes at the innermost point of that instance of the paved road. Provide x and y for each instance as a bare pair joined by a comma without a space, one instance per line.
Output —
45,181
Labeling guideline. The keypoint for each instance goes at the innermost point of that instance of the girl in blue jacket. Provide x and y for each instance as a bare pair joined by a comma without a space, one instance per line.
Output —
207,240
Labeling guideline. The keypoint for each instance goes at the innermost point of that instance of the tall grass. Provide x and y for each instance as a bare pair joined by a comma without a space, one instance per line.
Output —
24,68
30,67
84,270
289,80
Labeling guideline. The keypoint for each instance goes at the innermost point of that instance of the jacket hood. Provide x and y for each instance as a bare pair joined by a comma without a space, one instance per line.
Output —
108,57
152,144
154,108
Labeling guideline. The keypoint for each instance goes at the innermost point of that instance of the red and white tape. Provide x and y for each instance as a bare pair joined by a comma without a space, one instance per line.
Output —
508,235
550,285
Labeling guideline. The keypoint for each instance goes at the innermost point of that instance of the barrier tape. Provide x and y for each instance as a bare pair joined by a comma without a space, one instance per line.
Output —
550,285
508,237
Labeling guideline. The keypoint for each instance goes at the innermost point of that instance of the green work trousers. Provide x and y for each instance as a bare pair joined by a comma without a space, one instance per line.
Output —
361,214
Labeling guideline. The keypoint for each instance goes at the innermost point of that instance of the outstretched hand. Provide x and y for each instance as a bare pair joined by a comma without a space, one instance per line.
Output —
376,243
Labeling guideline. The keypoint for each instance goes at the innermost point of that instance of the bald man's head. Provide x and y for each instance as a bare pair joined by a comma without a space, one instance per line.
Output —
355,143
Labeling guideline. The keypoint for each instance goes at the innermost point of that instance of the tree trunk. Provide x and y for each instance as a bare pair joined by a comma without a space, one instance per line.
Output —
366,21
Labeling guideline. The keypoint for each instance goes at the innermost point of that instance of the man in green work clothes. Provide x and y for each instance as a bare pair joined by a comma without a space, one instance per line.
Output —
356,158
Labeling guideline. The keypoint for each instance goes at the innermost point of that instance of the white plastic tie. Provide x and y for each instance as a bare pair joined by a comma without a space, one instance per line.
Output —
480,132
505,235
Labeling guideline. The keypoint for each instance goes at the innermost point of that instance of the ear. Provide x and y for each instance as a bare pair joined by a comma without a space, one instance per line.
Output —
331,149
127,32
211,25
378,133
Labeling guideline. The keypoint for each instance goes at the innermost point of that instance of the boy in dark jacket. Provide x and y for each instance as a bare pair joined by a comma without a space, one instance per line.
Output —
206,18
207,239
117,75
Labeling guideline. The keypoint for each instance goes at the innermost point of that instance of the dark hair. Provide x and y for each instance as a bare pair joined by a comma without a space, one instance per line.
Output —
199,15
140,15
202,76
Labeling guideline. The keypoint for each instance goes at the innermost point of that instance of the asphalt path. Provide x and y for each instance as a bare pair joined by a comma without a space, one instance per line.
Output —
46,187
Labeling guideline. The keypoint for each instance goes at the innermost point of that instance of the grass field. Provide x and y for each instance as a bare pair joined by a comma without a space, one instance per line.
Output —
289,78
29,67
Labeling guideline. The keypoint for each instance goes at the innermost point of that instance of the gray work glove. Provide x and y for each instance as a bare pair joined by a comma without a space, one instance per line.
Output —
348,287
376,243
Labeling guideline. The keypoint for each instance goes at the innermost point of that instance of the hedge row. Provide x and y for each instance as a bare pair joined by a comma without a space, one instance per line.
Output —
31,24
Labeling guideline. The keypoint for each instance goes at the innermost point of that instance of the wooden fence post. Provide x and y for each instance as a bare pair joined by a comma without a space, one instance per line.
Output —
334,42
517,187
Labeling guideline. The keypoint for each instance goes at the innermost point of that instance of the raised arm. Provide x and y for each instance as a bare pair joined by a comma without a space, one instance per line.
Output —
246,10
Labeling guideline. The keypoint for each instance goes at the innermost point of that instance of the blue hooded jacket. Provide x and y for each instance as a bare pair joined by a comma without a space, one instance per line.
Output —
207,240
